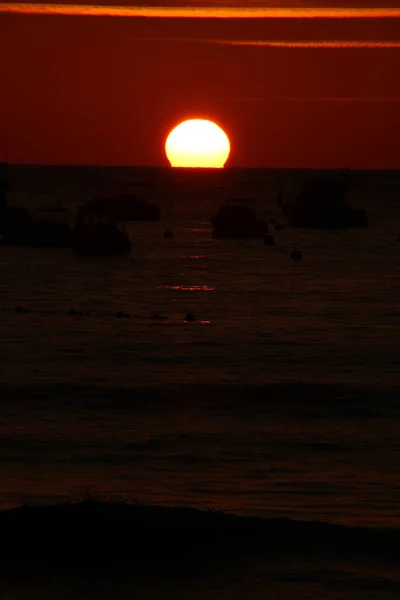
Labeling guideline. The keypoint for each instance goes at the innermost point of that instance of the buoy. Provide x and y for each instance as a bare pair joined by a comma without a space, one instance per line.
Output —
296,255
168,234
269,240
190,318
20,309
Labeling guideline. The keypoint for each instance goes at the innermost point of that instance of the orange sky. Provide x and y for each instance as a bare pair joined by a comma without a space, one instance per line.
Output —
290,91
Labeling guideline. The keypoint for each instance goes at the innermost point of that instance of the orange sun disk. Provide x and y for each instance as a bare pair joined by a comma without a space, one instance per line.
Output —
197,143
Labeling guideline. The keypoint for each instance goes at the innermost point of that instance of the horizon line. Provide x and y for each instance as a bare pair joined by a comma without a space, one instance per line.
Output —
202,169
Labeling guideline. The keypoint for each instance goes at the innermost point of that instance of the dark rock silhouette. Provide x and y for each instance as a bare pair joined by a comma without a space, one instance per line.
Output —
19,229
190,318
320,203
40,233
237,219
96,231
168,234
4,180
12,218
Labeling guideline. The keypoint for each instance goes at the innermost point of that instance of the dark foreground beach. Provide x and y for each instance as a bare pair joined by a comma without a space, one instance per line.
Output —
162,551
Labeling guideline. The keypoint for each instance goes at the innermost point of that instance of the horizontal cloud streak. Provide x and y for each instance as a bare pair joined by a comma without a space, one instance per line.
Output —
201,11
278,44
312,43
315,99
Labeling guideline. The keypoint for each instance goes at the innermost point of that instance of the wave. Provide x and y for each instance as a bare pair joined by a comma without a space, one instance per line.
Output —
93,533
322,399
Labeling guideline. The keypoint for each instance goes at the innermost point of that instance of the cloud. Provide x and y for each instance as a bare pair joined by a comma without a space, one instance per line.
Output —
212,10
304,44
312,43
315,99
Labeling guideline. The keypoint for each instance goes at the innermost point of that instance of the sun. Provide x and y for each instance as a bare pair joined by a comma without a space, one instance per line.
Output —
197,143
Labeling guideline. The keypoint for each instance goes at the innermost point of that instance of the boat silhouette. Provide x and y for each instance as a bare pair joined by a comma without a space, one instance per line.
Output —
127,206
99,234
52,208
321,203
237,218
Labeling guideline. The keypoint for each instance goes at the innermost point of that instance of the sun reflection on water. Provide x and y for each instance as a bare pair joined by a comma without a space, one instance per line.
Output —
187,288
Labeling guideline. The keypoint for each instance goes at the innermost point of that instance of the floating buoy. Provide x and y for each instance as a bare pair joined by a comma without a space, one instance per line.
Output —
269,240
20,309
296,255
122,315
168,234
78,313
190,318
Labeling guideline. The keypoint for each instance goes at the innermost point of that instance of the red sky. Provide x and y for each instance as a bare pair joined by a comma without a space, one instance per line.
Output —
290,91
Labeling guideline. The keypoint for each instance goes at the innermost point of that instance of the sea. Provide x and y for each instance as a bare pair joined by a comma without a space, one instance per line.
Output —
279,400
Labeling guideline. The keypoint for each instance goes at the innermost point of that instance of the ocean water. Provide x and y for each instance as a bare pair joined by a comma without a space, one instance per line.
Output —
280,400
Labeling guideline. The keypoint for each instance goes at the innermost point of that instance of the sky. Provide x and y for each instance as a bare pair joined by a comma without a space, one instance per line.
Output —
294,84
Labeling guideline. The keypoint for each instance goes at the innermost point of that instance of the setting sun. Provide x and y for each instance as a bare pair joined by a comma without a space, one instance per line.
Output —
197,143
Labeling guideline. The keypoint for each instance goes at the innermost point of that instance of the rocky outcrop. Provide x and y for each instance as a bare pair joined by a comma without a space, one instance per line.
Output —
321,203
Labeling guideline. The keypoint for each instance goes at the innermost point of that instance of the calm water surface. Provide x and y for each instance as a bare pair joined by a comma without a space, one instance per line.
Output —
282,397
261,317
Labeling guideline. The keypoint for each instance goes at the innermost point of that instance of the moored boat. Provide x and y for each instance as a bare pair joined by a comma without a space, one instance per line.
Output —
123,207
237,218
100,235
321,203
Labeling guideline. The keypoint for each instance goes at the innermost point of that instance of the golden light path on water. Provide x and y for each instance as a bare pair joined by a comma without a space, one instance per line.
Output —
200,11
